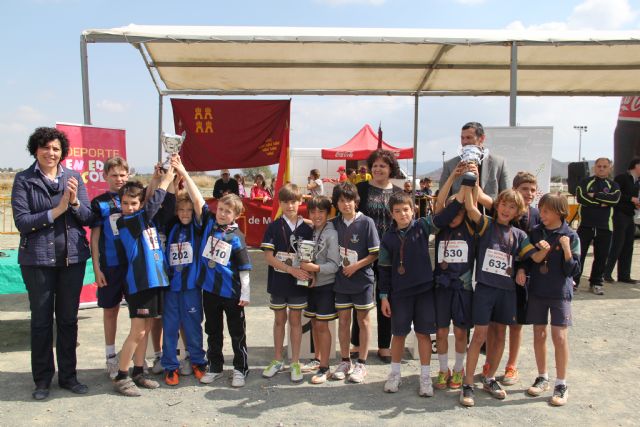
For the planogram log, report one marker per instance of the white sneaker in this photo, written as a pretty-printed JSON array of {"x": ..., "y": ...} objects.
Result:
[
  {"x": 274, "y": 367},
  {"x": 185, "y": 366},
  {"x": 342, "y": 370},
  {"x": 210, "y": 377},
  {"x": 111, "y": 366},
  {"x": 598, "y": 290},
  {"x": 296, "y": 372},
  {"x": 359, "y": 373},
  {"x": 426, "y": 387},
  {"x": 392, "y": 383},
  {"x": 157, "y": 368},
  {"x": 311, "y": 366},
  {"x": 238, "y": 379}
]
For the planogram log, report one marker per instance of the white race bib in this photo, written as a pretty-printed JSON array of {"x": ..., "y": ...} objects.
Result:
[
  {"x": 113, "y": 218},
  {"x": 496, "y": 262},
  {"x": 456, "y": 251},
  {"x": 180, "y": 254},
  {"x": 151, "y": 236},
  {"x": 349, "y": 255},
  {"x": 217, "y": 251},
  {"x": 288, "y": 258}
]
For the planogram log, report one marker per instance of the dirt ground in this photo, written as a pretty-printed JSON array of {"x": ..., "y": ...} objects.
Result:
[{"x": 604, "y": 366}]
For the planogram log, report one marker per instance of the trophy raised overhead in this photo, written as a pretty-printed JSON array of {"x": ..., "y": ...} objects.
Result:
[
  {"x": 171, "y": 144},
  {"x": 471, "y": 154}
]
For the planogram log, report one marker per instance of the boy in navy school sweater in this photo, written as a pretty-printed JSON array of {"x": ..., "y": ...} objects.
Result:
[
  {"x": 406, "y": 284},
  {"x": 146, "y": 277},
  {"x": 551, "y": 291}
]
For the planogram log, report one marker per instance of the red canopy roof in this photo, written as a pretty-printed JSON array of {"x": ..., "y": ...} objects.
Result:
[{"x": 361, "y": 145}]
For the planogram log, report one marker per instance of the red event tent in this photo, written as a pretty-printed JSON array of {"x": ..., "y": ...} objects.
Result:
[{"x": 361, "y": 145}]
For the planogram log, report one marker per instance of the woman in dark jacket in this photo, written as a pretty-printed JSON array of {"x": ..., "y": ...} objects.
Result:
[
  {"x": 50, "y": 206},
  {"x": 374, "y": 203}
]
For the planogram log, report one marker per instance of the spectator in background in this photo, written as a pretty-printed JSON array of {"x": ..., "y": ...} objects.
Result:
[
  {"x": 342, "y": 175},
  {"x": 425, "y": 187},
  {"x": 314, "y": 183},
  {"x": 242, "y": 192},
  {"x": 352, "y": 176},
  {"x": 259, "y": 190},
  {"x": 363, "y": 175},
  {"x": 408, "y": 188},
  {"x": 225, "y": 185},
  {"x": 623, "y": 226},
  {"x": 597, "y": 195}
]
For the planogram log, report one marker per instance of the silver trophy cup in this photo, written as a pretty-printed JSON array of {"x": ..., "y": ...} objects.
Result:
[
  {"x": 471, "y": 154},
  {"x": 306, "y": 251},
  {"x": 171, "y": 145}
]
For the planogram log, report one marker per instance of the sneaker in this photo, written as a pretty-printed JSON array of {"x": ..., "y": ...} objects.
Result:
[
  {"x": 510, "y": 376},
  {"x": 426, "y": 387},
  {"x": 185, "y": 366},
  {"x": 467, "y": 397},
  {"x": 199, "y": 371},
  {"x": 493, "y": 388},
  {"x": 311, "y": 366},
  {"x": 156, "y": 368},
  {"x": 126, "y": 387},
  {"x": 392, "y": 383},
  {"x": 274, "y": 367},
  {"x": 342, "y": 370},
  {"x": 141, "y": 380},
  {"x": 485, "y": 371},
  {"x": 443, "y": 379},
  {"x": 210, "y": 377},
  {"x": 359, "y": 373},
  {"x": 296, "y": 372},
  {"x": 456, "y": 379},
  {"x": 560, "y": 395},
  {"x": 597, "y": 290},
  {"x": 171, "y": 377},
  {"x": 540, "y": 385},
  {"x": 111, "y": 366},
  {"x": 321, "y": 376},
  {"x": 238, "y": 379}
]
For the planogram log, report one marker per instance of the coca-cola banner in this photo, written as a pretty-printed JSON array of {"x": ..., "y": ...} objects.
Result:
[{"x": 630, "y": 109}]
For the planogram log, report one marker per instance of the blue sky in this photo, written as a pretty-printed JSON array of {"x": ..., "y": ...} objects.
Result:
[{"x": 40, "y": 76}]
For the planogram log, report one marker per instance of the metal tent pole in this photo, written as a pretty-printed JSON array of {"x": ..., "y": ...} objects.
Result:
[
  {"x": 84, "y": 71},
  {"x": 415, "y": 142},
  {"x": 513, "y": 91},
  {"x": 160, "y": 100}
]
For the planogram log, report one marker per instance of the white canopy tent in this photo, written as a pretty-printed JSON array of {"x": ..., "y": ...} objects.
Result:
[{"x": 370, "y": 61}]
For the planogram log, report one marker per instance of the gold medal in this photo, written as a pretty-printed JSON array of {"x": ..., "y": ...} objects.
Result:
[
  {"x": 401, "y": 269},
  {"x": 288, "y": 261},
  {"x": 211, "y": 263},
  {"x": 509, "y": 270},
  {"x": 345, "y": 262},
  {"x": 544, "y": 269},
  {"x": 444, "y": 265}
]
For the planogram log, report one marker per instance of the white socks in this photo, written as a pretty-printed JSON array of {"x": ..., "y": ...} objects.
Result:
[
  {"x": 444, "y": 362},
  {"x": 425, "y": 371},
  {"x": 459, "y": 362},
  {"x": 110, "y": 351},
  {"x": 544, "y": 375},
  {"x": 395, "y": 368},
  {"x": 560, "y": 382}
]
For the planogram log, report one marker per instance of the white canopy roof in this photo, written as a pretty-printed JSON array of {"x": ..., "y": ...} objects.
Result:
[{"x": 382, "y": 61}]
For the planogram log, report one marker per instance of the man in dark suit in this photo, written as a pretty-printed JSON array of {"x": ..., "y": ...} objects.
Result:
[
  {"x": 225, "y": 185},
  {"x": 493, "y": 172},
  {"x": 623, "y": 226}
]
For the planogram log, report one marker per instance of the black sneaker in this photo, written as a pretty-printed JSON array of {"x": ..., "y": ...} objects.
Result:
[
  {"x": 493, "y": 388},
  {"x": 560, "y": 395},
  {"x": 540, "y": 385},
  {"x": 467, "y": 396}
]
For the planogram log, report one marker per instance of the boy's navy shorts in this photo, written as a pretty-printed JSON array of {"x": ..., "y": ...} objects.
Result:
[
  {"x": 363, "y": 301},
  {"x": 111, "y": 295},
  {"x": 454, "y": 305},
  {"x": 322, "y": 303},
  {"x": 539, "y": 309},
  {"x": 493, "y": 305},
  {"x": 278, "y": 302},
  {"x": 147, "y": 304},
  {"x": 418, "y": 309}
]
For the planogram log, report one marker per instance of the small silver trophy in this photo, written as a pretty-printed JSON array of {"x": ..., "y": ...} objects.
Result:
[
  {"x": 306, "y": 251},
  {"x": 471, "y": 154},
  {"x": 171, "y": 144}
]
